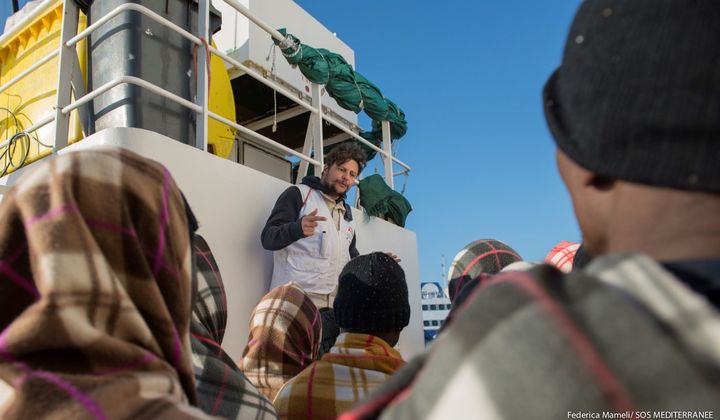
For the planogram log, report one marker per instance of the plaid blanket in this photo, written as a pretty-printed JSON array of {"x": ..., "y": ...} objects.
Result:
[
  {"x": 356, "y": 365},
  {"x": 623, "y": 337},
  {"x": 95, "y": 291},
  {"x": 285, "y": 334},
  {"x": 221, "y": 386}
]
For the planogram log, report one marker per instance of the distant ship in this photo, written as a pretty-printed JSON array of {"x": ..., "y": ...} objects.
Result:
[{"x": 436, "y": 306}]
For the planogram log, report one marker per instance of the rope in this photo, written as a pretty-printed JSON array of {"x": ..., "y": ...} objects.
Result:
[
  {"x": 295, "y": 45},
  {"x": 328, "y": 64},
  {"x": 361, "y": 105},
  {"x": 9, "y": 152},
  {"x": 207, "y": 61}
]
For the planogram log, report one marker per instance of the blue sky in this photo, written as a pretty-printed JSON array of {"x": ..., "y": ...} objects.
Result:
[{"x": 468, "y": 75}]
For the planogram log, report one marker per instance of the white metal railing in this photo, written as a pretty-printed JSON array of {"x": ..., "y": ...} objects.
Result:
[
  {"x": 29, "y": 70},
  {"x": 68, "y": 63},
  {"x": 385, "y": 152},
  {"x": 19, "y": 26}
]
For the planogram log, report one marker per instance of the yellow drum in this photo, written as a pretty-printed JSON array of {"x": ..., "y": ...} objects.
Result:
[
  {"x": 33, "y": 97},
  {"x": 222, "y": 102}
]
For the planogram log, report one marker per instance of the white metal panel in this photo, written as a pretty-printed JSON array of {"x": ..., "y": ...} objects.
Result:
[
  {"x": 249, "y": 42},
  {"x": 266, "y": 162},
  {"x": 375, "y": 234},
  {"x": 234, "y": 31},
  {"x": 232, "y": 203}
]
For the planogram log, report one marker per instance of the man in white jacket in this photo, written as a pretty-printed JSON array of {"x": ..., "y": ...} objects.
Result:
[{"x": 311, "y": 230}]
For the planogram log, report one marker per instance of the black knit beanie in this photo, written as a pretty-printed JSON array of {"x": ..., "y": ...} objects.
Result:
[
  {"x": 637, "y": 96},
  {"x": 372, "y": 295}
]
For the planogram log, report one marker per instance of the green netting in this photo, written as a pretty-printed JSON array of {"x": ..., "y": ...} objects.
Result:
[
  {"x": 349, "y": 88},
  {"x": 398, "y": 125},
  {"x": 380, "y": 200},
  {"x": 342, "y": 84}
]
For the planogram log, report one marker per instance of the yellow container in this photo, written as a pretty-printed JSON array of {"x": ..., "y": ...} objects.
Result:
[
  {"x": 222, "y": 102},
  {"x": 34, "y": 96}
]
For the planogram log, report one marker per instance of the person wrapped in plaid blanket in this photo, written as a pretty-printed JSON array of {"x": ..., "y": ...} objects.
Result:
[
  {"x": 633, "y": 111},
  {"x": 221, "y": 386},
  {"x": 371, "y": 309},
  {"x": 285, "y": 335},
  {"x": 96, "y": 291}
]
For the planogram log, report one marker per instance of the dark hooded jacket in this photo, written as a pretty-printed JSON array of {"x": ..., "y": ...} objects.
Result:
[{"x": 283, "y": 226}]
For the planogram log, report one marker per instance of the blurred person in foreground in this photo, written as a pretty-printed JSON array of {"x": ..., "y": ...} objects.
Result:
[
  {"x": 634, "y": 112},
  {"x": 96, "y": 290},
  {"x": 371, "y": 309},
  {"x": 222, "y": 388},
  {"x": 285, "y": 337},
  {"x": 311, "y": 229}
]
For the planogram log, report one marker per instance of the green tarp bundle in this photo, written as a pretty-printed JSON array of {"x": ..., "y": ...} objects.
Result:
[
  {"x": 380, "y": 200},
  {"x": 349, "y": 88}
]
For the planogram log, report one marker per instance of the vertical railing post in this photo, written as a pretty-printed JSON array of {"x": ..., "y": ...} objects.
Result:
[
  {"x": 67, "y": 64},
  {"x": 316, "y": 121},
  {"x": 201, "y": 128},
  {"x": 387, "y": 160},
  {"x": 307, "y": 147}
]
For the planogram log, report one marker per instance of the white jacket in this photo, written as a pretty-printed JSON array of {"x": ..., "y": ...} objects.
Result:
[{"x": 315, "y": 262}]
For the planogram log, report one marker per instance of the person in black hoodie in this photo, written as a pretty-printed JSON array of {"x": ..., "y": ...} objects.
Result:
[{"x": 311, "y": 230}]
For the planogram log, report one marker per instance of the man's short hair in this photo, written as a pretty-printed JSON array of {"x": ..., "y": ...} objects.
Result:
[{"x": 345, "y": 152}]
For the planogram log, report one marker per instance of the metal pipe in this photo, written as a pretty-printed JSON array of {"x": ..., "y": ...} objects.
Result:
[
  {"x": 280, "y": 117},
  {"x": 29, "y": 70},
  {"x": 316, "y": 122},
  {"x": 362, "y": 140},
  {"x": 300, "y": 102},
  {"x": 202, "y": 90},
  {"x": 261, "y": 138},
  {"x": 358, "y": 137},
  {"x": 133, "y": 81},
  {"x": 137, "y": 8},
  {"x": 142, "y": 83},
  {"x": 32, "y": 128},
  {"x": 399, "y": 162},
  {"x": 23, "y": 24},
  {"x": 198, "y": 109},
  {"x": 387, "y": 159},
  {"x": 279, "y": 37},
  {"x": 67, "y": 61},
  {"x": 261, "y": 79},
  {"x": 256, "y": 20},
  {"x": 43, "y": 122}
]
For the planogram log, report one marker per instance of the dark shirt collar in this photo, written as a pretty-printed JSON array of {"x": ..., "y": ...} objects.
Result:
[{"x": 315, "y": 183}]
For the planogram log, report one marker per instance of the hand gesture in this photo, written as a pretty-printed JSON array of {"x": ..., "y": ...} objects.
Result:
[
  {"x": 309, "y": 222},
  {"x": 393, "y": 256}
]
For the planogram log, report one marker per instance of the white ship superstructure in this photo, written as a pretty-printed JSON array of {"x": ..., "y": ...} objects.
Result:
[
  {"x": 231, "y": 195},
  {"x": 436, "y": 306}
]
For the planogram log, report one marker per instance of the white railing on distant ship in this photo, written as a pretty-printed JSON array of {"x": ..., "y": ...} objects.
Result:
[{"x": 67, "y": 65}]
